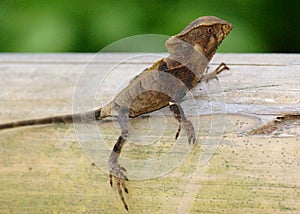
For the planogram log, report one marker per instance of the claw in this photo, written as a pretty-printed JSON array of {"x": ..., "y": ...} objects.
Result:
[
  {"x": 124, "y": 186},
  {"x": 110, "y": 180},
  {"x": 220, "y": 68},
  {"x": 122, "y": 168},
  {"x": 119, "y": 184},
  {"x": 125, "y": 178},
  {"x": 206, "y": 70},
  {"x": 178, "y": 131},
  {"x": 117, "y": 174}
]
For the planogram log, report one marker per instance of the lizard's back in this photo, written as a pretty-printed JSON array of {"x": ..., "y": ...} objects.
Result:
[{"x": 154, "y": 88}]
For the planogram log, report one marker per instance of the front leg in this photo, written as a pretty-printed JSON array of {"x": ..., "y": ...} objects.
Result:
[
  {"x": 183, "y": 122},
  {"x": 116, "y": 171},
  {"x": 213, "y": 75}
]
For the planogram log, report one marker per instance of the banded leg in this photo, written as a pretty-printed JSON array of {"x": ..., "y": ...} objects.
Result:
[
  {"x": 183, "y": 122},
  {"x": 116, "y": 171}
]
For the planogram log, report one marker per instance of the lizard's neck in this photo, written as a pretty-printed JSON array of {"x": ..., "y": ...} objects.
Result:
[{"x": 192, "y": 59}]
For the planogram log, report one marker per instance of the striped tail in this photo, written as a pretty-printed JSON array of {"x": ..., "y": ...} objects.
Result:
[{"x": 69, "y": 118}]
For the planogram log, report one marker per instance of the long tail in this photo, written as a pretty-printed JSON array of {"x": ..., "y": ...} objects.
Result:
[{"x": 69, "y": 118}]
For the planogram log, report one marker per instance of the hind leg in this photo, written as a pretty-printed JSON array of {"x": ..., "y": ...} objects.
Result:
[
  {"x": 180, "y": 116},
  {"x": 183, "y": 122},
  {"x": 117, "y": 172}
]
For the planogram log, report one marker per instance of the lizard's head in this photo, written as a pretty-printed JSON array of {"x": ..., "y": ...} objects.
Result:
[{"x": 204, "y": 34}]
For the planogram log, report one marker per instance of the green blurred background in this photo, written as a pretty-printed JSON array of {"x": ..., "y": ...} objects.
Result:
[{"x": 88, "y": 26}]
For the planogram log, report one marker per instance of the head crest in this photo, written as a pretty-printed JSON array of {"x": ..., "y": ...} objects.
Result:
[{"x": 202, "y": 21}]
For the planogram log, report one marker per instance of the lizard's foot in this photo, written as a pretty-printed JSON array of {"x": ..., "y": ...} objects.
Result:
[
  {"x": 189, "y": 130},
  {"x": 213, "y": 75},
  {"x": 117, "y": 173},
  {"x": 183, "y": 122}
]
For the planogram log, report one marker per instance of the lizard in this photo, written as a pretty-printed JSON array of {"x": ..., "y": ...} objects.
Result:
[{"x": 163, "y": 84}]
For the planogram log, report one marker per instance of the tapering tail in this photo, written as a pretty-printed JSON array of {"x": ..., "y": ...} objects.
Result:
[{"x": 69, "y": 118}]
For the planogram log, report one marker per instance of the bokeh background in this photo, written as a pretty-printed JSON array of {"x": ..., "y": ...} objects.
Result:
[{"x": 90, "y": 25}]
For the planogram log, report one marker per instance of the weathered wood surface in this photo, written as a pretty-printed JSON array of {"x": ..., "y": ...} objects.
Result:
[{"x": 43, "y": 169}]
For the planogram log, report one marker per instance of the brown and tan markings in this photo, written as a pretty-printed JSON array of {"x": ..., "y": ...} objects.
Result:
[{"x": 165, "y": 83}]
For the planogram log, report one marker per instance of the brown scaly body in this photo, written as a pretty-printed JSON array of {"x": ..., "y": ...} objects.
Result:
[{"x": 164, "y": 83}]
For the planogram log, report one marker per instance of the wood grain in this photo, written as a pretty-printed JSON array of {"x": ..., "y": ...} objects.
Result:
[{"x": 44, "y": 169}]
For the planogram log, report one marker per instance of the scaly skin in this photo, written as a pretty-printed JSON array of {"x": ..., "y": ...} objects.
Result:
[{"x": 164, "y": 83}]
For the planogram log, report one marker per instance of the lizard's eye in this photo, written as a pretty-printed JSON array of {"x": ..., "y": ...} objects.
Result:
[{"x": 209, "y": 30}]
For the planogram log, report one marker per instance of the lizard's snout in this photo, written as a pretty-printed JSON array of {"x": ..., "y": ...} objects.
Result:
[{"x": 226, "y": 29}]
